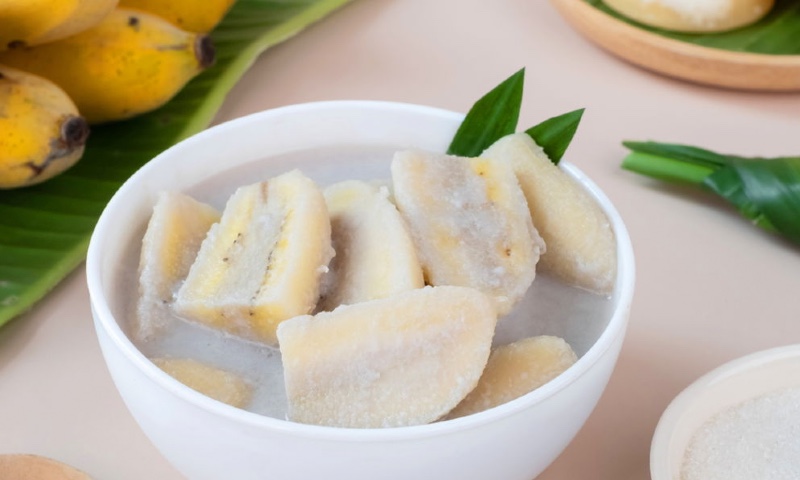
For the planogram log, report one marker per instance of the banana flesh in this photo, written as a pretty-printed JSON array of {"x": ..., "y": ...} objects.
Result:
[
  {"x": 581, "y": 249},
  {"x": 174, "y": 233},
  {"x": 213, "y": 382},
  {"x": 41, "y": 132},
  {"x": 130, "y": 63},
  {"x": 403, "y": 360},
  {"x": 516, "y": 369},
  {"x": 33, "y": 22},
  {"x": 185, "y": 13},
  {"x": 261, "y": 264},
  {"x": 469, "y": 222},
  {"x": 375, "y": 255}
]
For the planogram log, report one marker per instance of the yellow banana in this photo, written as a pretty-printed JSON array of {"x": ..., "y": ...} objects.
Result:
[
  {"x": 581, "y": 248},
  {"x": 403, "y": 360},
  {"x": 262, "y": 262},
  {"x": 33, "y": 22},
  {"x": 469, "y": 222},
  {"x": 375, "y": 256},
  {"x": 130, "y": 63},
  {"x": 186, "y": 14},
  {"x": 174, "y": 233},
  {"x": 516, "y": 369},
  {"x": 41, "y": 132},
  {"x": 221, "y": 385}
]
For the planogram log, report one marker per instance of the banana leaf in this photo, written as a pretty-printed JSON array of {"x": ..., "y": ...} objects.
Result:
[
  {"x": 775, "y": 34},
  {"x": 764, "y": 190},
  {"x": 45, "y": 229},
  {"x": 496, "y": 114}
]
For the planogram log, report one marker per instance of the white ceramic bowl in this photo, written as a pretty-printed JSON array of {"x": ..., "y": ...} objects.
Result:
[
  {"x": 728, "y": 385},
  {"x": 205, "y": 439}
]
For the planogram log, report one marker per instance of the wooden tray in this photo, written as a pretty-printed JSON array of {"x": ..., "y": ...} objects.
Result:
[{"x": 710, "y": 66}]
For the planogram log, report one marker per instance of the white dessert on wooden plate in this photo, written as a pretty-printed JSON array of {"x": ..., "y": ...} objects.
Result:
[{"x": 699, "y": 16}]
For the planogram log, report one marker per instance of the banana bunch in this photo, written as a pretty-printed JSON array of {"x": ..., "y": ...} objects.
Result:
[{"x": 113, "y": 60}]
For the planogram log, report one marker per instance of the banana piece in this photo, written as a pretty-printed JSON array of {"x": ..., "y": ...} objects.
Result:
[
  {"x": 516, "y": 369},
  {"x": 375, "y": 256},
  {"x": 41, "y": 131},
  {"x": 403, "y": 360},
  {"x": 130, "y": 63},
  {"x": 698, "y": 16},
  {"x": 581, "y": 249},
  {"x": 213, "y": 382},
  {"x": 174, "y": 233},
  {"x": 33, "y": 22},
  {"x": 261, "y": 264},
  {"x": 469, "y": 222},
  {"x": 185, "y": 14}
]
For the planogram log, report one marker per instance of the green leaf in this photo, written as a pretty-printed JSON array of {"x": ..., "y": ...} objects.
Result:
[
  {"x": 492, "y": 117},
  {"x": 555, "y": 134},
  {"x": 45, "y": 229},
  {"x": 777, "y": 33},
  {"x": 764, "y": 190}
]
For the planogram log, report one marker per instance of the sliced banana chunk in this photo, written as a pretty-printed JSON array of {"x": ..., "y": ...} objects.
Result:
[
  {"x": 375, "y": 256},
  {"x": 174, "y": 233},
  {"x": 469, "y": 222},
  {"x": 581, "y": 248},
  {"x": 699, "y": 16},
  {"x": 516, "y": 369},
  {"x": 403, "y": 360},
  {"x": 261, "y": 264},
  {"x": 212, "y": 382}
]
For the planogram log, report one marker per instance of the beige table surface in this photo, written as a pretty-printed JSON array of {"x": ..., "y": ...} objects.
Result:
[{"x": 710, "y": 287}]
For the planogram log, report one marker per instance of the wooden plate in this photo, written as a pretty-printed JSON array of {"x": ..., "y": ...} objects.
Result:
[
  {"x": 710, "y": 66},
  {"x": 34, "y": 467}
]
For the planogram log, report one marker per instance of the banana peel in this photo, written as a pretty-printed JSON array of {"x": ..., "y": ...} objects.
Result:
[
  {"x": 128, "y": 64},
  {"x": 41, "y": 132}
]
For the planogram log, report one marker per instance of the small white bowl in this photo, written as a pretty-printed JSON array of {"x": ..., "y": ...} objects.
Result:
[
  {"x": 728, "y": 385},
  {"x": 205, "y": 439}
]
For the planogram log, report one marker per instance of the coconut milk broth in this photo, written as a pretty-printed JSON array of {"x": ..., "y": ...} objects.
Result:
[{"x": 548, "y": 308}]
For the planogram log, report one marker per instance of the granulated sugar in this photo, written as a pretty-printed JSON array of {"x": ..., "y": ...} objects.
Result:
[{"x": 755, "y": 440}]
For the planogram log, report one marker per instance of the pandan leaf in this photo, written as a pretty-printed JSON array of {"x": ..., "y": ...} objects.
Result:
[
  {"x": 45, "y": 229},
  {"x": 775, "y": 34},
  {"x": 555, "y": 134},
  {"x": 492, "y": 117},
  {"x": 764, "y": 190}
]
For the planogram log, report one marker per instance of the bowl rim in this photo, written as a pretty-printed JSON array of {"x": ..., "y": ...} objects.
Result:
[
  {"x": 662, "y": 442},
  {"x": 105, "y": 320}
]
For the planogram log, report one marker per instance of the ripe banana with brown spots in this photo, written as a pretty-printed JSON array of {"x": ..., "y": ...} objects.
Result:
[
  {"x": 130, "y": 63},
  {"x": 185, "y": 14},
  {"x": 41, "y": 131},
  {"x": 33, "y": 22}
]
